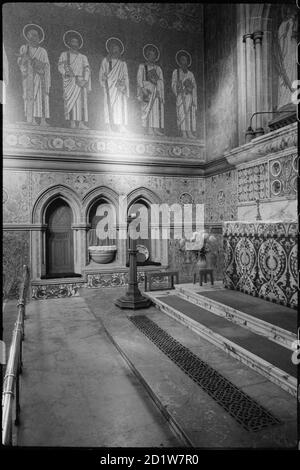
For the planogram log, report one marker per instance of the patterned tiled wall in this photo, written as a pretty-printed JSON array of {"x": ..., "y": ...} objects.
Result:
[
  {"x": 221, "y": 197},
  {"x": 169, "y": 189},
  {"x": 15, "y": 255},
  {"x": 261, "y": 260},
  {"x": 274, "y": 178},
  {"x": 16, "y": 197}
]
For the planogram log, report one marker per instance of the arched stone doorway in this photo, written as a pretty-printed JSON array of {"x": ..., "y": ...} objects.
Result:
[{"x": 59, "y": 239}]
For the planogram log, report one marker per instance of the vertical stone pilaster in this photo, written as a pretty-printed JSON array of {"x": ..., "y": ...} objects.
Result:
[{"x": 257, "y": 40}]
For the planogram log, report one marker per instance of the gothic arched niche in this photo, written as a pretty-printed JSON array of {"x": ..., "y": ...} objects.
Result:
[
  {"x": 102, "y": 220},
  {"x": 149, "y": 249},
  {"x": 59, "y": 239}
]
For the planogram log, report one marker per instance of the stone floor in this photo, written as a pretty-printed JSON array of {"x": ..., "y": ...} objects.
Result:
[{"x": 91, "y": 379}]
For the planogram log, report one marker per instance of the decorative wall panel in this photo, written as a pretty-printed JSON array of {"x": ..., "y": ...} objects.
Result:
[
  {"x": 16, "y": 197},
  {"x": 261, "y": 260},
  {"x": 253, "y": 183},
  {"x": 276, "y": 177},
  {"x": 115, "y": 279},
  {"x": 55, "y": 291},
  {"x": 283, "y": 176},
  {"x": 168, "y": 189},
  {"x": 15, "y": 255},
  {"x": 221, "y": 197}
]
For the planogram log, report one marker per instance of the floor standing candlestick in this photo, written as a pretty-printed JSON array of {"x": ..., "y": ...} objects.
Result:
[{"x": 133, "y": 299}]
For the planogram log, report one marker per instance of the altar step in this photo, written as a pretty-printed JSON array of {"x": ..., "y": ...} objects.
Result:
[
  {"x": 276, "y": 322},
  {"x": 242, "y": 335}
]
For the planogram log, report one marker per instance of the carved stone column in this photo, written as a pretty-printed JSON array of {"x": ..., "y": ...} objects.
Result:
[
  {"x": 121, "y": 243},
  {"x": 80, "y": 246},
  {"x": 241, "y": 72},
  {"x": 250, "y": 82},
  {"x": 257, "y": 40},
  {"x": 38, "y": 251}
]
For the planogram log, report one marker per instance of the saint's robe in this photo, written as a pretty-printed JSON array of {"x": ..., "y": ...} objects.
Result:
[
  {"x": 186, "y": 99},
  {"x": 116, "y": 90},
  {"x": 35, "y": 68},
  {"x": 151, "y": 95},
  {"x": 75, "y": 71}
]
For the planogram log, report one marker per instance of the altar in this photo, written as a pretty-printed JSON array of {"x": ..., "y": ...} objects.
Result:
[{"x": 260, "y": 259}]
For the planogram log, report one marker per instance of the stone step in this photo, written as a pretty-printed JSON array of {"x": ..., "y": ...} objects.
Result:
[
  {"x": 271, "y": 360},
  {"x": 253, "y": 321}
]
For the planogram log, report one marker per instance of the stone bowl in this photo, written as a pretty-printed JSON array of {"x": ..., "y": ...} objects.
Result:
[{"x": 103, "y": 254}]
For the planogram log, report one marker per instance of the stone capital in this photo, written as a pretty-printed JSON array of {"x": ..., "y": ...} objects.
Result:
[
  {"x": 257, "y": 37},
  {"x": 247, "y": 36}
]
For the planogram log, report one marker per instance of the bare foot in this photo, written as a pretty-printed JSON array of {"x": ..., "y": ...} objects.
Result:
[
  {"x": 81, "y": 125},
  {"x": 184, "y": 134},
  {"x": 151, "y": 131},
  {"x": 44, "y": 123},
  {"x": 73, "y": 125},
  {"x": 157, "y": 132},
  {"x": 33, "y": 122},
  {"x": 191, "y": 135}
]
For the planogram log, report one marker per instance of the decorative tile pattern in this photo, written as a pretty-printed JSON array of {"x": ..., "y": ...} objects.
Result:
[
  {"x": 261, "y": 260},
  {"x": 283, "y": 176},
  {"x": 19, "y": 139},
  {"x": 253, "y": 183},
  {"x": 16, "y": 199},
  {"x": 15, "y": 255},
  {"x": 55, "y": 291},
  {"x": 274, "y": 178},
  {"x": 177, "y": 16},
  {"x": 167, "y": 188},
  {"x": 221, "y": 197},
  {"x": 111, "y": 279}
]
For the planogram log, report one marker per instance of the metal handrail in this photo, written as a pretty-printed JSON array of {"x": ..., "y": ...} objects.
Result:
[{"x": 11, "y": 383}]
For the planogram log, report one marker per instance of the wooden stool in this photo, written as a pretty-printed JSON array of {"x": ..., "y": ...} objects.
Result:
[{"x": 203, "y": 275}]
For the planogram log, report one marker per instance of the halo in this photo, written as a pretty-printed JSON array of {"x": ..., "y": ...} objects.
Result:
[
  {"x": 153, "y": 47},
  {"x": 114, "y": 39},
  {"x": 182, "y": 51},
  {"x": 74, "y": 33},
  {"x": 36, "y": 26}
]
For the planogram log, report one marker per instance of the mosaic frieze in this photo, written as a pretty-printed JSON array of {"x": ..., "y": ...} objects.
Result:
[
  {"x": 18, "y": 140},
  {"x": 261, "y": 260}
]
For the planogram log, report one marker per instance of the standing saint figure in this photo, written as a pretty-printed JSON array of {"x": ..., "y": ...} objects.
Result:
[
  {"x": 150, "y": 91},
  {"x": 285, "y": 52},
  {"x": 113, "y": 77},
  {"x": 35, "y": 68},
  {"x": 76, "y": 75},
  {"x": 185, "y": 89}
]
